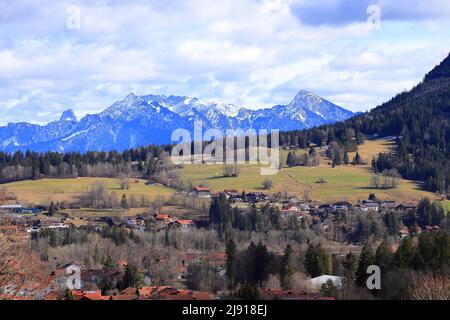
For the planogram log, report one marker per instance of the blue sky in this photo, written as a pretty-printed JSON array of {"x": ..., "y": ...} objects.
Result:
[{"x": 251, "y": 53}]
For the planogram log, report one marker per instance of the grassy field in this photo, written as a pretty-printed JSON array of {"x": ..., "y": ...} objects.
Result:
[
  {"x": 46, "y": 190},
  {"x": 447, "y": 205},
  {"x": 93, "y": 213},
  {"x": 343, "y": 182},
  {"x": 346, "y": 182},
  {"x": 372, "y": 147}
]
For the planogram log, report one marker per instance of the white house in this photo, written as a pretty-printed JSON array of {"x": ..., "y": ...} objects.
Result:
[
  {"x": 201, "y": 192},
  {"x": 370, "y": 205},
  {"x": 317, "y": 282},
  {"x": 15, "y": 208},
  {"x": 342, "y": 206},
  {"x": 185, "y": 224}
]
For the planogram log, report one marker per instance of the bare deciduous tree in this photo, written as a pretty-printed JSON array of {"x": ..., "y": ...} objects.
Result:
[
  {"x": 231, "y": 171},
  {"x": 429, "y": 287},
  {"x": 97, "y": 196},
  {"x": 124, "y": 181},
  {"x": 267, "y": 184},
  {"x": 21, "y": 272},
  {"x": 299, "y": 281}
]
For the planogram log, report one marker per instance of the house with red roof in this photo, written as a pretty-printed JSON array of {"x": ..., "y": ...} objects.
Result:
[
  {"x": 403, "y": 232},
  {"x": 88, "y": 295},
  {"x": 12, "y": 229},
  {"x": 290, "y": 208},
  {"x": 201, "y": 192},
  {"x": 164, "y": 218},
  {"x": 184, "y": 224}
]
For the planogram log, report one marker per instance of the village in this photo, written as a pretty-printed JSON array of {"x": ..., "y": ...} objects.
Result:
[
  {"x": 26, "y": 223},
  {"x": 25, "y": 218}
]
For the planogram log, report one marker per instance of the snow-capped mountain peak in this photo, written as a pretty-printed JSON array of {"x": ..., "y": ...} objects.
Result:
[
  {"x": 306, "y": 101},
  {"x": 142, "y": 120},
  {"x": 68, "y": 115}
]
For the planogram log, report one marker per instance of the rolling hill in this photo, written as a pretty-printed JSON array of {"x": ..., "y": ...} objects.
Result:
[{"x": 419, "y": 120}]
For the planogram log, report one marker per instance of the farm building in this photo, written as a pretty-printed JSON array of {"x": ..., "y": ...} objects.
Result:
[{"x": 201, "y": 192}]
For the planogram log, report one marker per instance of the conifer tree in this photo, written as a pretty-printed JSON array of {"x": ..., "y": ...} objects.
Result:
[
  {"x": 287, "y": 266},
  {"x": 231, "y": 260},
  {"x": 383, "y": 257},
  {"x": 124, "y": 202},
  {"x": 357, "y": 160},
  {"x": 350, "y": 264},
  {"x": 405, "y": 255},
  {"x": 366, "y": 259},
  {"x": 346, "y": 161},
  {"x": 132, "y": 277},
  {"x": 51, "y": 209},
  {"x": 317, "y": 262}
]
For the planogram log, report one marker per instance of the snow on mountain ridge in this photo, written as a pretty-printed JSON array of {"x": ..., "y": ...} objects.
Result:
[
  {"x": 68, "y": 115},
  {"x": 142, "y": 120}
]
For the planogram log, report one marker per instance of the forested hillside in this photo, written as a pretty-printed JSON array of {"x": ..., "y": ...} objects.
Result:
[{"x": 420, "y": 119}]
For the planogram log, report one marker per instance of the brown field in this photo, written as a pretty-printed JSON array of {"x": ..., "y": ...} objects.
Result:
[
  {"x": 346, "y": 182},
  {"x": 46, "y": 190}
]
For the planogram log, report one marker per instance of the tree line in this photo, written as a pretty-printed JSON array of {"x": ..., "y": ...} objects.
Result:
[{"x": 34, "y": 165}]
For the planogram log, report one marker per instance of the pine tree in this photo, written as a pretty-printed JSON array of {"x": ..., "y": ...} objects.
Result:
[
  {"x": 366, "y": 259},
  {"x": 221, "y": 214},
  {"x": 350, "y": 264},
  {"x": 124, "y": 202},
  {"x": 35, "y": 173},
  {"x": 317, "y": 262},
  {"x": 287, "y": 266},
  {"x": 437, "y": 213},
  {"x": 105, "y": 284},
  {"x": 405, "y": 255},
  {"x": 329, "y": 289},
  {"x": 53, "y": 239},
  {"x": 68, "y": 294},
  {"x": 248, "y": 292},
  {"x": 231, "y": 257},
  {"x": 383, "y": 257},
  {"x": 357, "y": 159},
  {"x": 261, "y": 263},
  {"x": 333, "y": 164},
  {"x": 346, "y": 161},
  {"x": 132, "y": 277},
  {"x": 51, "y": 209},
  {"x": 290, "y": 159},
  {"x": 374, "y": 165},
  {"x": 108, "y": 263},
  {"x": 140, "y": 166}
]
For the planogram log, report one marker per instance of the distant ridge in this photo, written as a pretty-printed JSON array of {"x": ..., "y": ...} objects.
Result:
[{"x": 142, "y": 120}]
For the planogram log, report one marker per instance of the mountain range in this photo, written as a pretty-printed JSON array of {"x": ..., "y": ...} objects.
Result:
[{"x": 147, "y": 119}]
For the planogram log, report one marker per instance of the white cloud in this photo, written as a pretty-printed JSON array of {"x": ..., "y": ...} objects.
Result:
[{"x": 250, "y": 53}]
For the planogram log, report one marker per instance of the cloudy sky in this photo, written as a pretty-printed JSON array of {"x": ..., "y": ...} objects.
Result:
[{"x": 85, "y": 55}]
